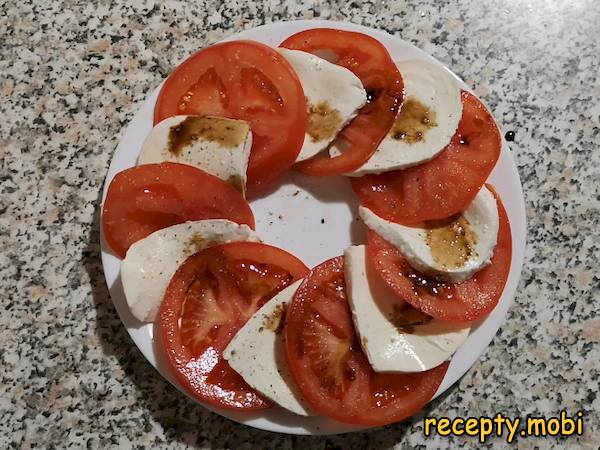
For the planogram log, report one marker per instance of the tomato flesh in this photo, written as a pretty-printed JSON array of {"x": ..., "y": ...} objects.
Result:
[
  {"x": 210, "y": 297},
  {"x": 443, "y": 186},
  {"x": 329, "y": 367},
  {"x": 147, "y": 198},
  {"x": 243, "y": 80},
  {"x": 369, "y": 60},
  {"x": 456, "y": 302}
]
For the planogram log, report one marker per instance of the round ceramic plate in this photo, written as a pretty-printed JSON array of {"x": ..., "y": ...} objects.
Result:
[{"x": 315, "y": 219}]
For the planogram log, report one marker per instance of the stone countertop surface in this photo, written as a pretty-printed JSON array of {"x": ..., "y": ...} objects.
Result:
[{"x": 72, "y": 76}]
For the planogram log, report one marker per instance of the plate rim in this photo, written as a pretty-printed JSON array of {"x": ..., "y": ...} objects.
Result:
[{"x": 498, "y": 315}]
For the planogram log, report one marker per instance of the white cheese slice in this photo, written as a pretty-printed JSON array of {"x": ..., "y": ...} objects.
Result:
[
  {"x": 257, "y": 353},
  {"x": 425, "y": 124},
  {"x": 151, "y": 262},
  {"x": 375, "y": 310},
  {"x": 452, "y": 250},
  {"x": 333, "y": 96},
  {"x": 217, "y": 145}
]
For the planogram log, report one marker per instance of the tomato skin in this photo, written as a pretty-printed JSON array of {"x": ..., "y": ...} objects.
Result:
[
  {"x": 268, "y": 253},
  {"x": 143, "y": 199},
  {"x": 457, "y": 302},
  {"x": 243, "y": 80},
  {"x": 369, "y": 60},
  {"x": 443, "y": 186},
  {"x": 330, "y": 368},
  {"x": 196, "y": 361}
]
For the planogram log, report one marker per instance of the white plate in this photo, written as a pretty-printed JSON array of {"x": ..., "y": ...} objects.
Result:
[{"x": 293, "y": 222}]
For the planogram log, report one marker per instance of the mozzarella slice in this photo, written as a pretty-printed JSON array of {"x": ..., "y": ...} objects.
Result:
[
  {"x": 151, "y": 262},
  {"x": 333, "y": 97},
  {"x": 256, "y": 352},
  {"x": 217, "y": 145},
  {"x": 425, "y": 123},
  {"x": 394, "y": 336},
  {"x": 452, "y": 249}
]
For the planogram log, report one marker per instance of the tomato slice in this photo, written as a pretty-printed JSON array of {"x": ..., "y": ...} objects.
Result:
[
  {"x": 369, "y": 60},
  {"x": 327, "y": 363},
  {"x": 147, "y": 198},
  {"x": 210, "y": 297},
  {"x": 457, "y": 302},
  {"x": 243, "y": 80},
  {"x": 443, "y": 186}
]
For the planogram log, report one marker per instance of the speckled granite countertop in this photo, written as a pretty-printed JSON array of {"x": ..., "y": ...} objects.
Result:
[{"x": 73, "y": 75}]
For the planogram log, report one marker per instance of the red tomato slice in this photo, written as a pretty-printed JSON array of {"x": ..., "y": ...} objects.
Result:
[
  {"x": 243, "y": 80},
  {"x": 147, "y": 198},
  {"x": 455, "y": 302},
  {"x": 329, "y": 367},
  {"x": 369, "y": 60},
  {"x": 210, "y": 297},
  {"x": 443, "y": 186}
]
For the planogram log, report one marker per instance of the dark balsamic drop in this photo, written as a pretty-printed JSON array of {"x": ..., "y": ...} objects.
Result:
[{"x": 372, "y": 95}]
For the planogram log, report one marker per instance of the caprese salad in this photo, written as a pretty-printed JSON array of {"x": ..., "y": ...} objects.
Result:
[{"x": 363, "y": 338}]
